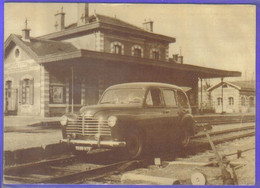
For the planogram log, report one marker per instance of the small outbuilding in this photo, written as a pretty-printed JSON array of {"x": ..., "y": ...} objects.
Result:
[{"x": 233, "y": 97}]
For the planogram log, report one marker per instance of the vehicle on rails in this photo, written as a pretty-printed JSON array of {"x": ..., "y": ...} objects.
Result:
[{"x": 131, "y": 116}]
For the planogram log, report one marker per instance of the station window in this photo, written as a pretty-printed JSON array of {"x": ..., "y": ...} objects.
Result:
[
  {"x": 251, "y": 101},
  {"x": 219, "y": 99},
  {"x": 243, "y": 101},
  {"x": 231, "y": 101},
  {"x": 57, "y": 95},
  {"x": 117, "y": 48},
  {"x": 137, "y": 51},
  {"x": 8, "y": 87},
  {"x": 26, "y": 91},
  {"x": 17, "y": 53},
  {"x": 154, "y": 54}
]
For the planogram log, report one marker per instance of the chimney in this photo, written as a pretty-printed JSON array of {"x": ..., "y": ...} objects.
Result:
[
  {"x": 60, "y": 20},
  {"x": 175, "y": 57},
  {"x": 180, "y": 59},
  {"x": 26, "y": 32},
  {"x": 83, "y": 13},
  {"x": 148, "y": 25}
]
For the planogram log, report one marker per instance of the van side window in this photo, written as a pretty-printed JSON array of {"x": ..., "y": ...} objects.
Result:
[
  {"x": 154, "y": 98},
  {"x": 169, "y": 98},
  {"x": 182, "y": 99}
]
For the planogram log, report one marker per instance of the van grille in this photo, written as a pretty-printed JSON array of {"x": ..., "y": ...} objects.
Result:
[{"x": 88, "y": 126}]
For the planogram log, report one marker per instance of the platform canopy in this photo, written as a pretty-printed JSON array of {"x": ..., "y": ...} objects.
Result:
[
  {"x": 85, "y": 56},
  {"x": 46, "y": 51}
]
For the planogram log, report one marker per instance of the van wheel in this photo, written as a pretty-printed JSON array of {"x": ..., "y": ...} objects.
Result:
[{"x": 134, "y": 144}]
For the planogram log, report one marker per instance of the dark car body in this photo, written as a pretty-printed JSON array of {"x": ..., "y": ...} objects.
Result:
[{"x": 157, "y": 113}]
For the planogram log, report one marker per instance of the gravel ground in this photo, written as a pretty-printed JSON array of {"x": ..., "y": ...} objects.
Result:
[
  {"x": 245, "y": 174},
  {"x": 40, "y": 136},
  {"x": 31, "y": 138}
]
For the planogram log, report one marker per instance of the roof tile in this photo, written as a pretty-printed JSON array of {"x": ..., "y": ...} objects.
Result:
[{"x": 46, "y": 47}]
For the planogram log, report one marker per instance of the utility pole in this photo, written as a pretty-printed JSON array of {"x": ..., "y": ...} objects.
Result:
[
  {"x": 72, "y": 89},
  {"x": 222, "y": 95},
  {"x": 201, "y": 95}
]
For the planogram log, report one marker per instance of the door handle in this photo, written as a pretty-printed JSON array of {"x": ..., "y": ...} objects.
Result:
[{"x": 166, "y": 111}]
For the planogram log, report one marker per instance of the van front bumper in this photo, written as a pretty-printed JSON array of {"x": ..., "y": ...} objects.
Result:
[{"x": 94, "y": 143}]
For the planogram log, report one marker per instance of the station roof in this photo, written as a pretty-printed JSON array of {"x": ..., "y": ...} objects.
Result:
[
  {"x": 239, "y": 85},
  {"x": 102, "y": 22},
  {"x": 48, "y": 52},
  {"x": 39, "y": 47}
]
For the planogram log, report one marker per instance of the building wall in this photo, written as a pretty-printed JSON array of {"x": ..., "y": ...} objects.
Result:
[
  {"x": 17, "y": 69},
  {"x": 227, "y": 93},
  {"x": 247, "y": 101},
  {"x": 103, "y": 42},
  {"x": 86, "y": 42},
  {"x": 238, "y": 106},
  {"x": 129, "y": 43}
]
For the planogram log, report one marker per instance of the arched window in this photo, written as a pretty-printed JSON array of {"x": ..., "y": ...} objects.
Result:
[
  {"x": 243, "y": 101},
  {"x": 17, "y": 54},
  {"x": 137, "y": 51},
  {"x": 117, "y": 48},
  {"x": 154, "y": 54},
  {"x": 26, "y": 91},
  {"x": 231, "y": 101},
  {"x": 8, "y": 87},
  {"x": 219, "y": 99},
  {"x": 251, "y": 101}
]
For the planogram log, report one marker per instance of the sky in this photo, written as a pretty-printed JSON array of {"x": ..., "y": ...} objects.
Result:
[{"x": 215, "y": 36}]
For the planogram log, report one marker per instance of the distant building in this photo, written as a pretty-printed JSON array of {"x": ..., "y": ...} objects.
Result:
[
  {"x": 236, "y": 96},
  {"x": 62, "y": 71}
]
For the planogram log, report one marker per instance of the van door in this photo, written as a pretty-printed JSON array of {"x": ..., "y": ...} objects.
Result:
[
  {"x": 155, "y": 120},
  {"x": 171, "y": 112}
]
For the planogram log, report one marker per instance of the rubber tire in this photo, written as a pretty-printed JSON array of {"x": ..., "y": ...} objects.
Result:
[{"x": 134, "y": 144}]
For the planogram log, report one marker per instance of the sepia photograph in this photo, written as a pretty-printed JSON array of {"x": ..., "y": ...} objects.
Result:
[{"x": 129, "y": 94}]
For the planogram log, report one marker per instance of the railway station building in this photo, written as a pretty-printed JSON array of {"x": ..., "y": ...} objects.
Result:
[
  {"x": 62, "y": 71},
  {"x": 236, "y": 97}
]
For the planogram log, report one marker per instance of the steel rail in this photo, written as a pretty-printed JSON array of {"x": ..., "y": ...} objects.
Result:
[
  {"x": 100, "y": 172},
  {"x": 88, "y": 174},
  {"x": 39, "y": 163},
  {"x": 106, "y": 170},
  {"x": 221, "y": 122},
  {"x": 224, "y": 131}
]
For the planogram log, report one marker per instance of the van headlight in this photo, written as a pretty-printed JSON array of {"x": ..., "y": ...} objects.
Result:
[
  {"x": 64, "y": 120},
  {"x": 111, "y": 121}
]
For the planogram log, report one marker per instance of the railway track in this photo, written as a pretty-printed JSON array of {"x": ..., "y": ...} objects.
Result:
[{"x": 97, "y": 166}]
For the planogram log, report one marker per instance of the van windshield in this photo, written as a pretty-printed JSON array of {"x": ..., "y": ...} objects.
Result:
[{"x": 123, "y": 96}]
